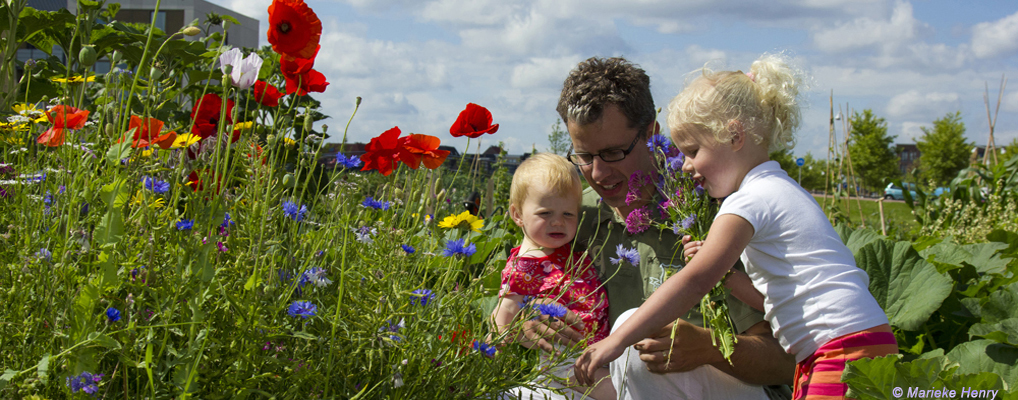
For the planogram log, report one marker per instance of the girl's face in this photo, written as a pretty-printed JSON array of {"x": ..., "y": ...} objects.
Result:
[
  {"x": 548, "y": 219},
  {"x": 713, "y": 164}
]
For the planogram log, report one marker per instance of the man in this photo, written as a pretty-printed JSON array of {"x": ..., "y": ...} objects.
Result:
[{"x": 609, "y": 113}]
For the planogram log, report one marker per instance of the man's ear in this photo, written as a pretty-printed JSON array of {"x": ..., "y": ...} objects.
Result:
[
  {"x": 738, "y": 133},
  {"x": 653, "y": 129},
  {"x": 515, "y": 215}
]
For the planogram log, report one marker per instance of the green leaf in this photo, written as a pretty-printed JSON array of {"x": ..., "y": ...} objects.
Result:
[
  {"x": 907, "y": 287},
  {"x": 986, "y": 259},
  {"x": 1005, "y": 331},
  {"x": 111, "y": 228},
  {"x": 120, "y": 151},
  {"x": 116, "y": 194},
  {"x": 876, "y": 378},
  {"x": 1008, "y": 238},
  {"x": 42, "y": 369},
  {"x": 946, "y": 256},
  {"x": 305, "y": 336},
  {"x": 1000, "y": 305},
  {"x": 962, "y": 384},
  {"x": 861, "y": 237},
  {"x": 104, "y": 341},
  {"x": 7, "y": 376},
  {"x": 987, "y": 356}
]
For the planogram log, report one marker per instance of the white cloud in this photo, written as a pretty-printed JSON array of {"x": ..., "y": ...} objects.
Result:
[
  {"x": 910, "y": 131},
  {"x": 867, "y": 32},
  {"x": 913, "y": 102},
  {"x": 1010, "y": 101},
  {"x": 990, "y": 39},
  {"x": 543, "y": 72}
]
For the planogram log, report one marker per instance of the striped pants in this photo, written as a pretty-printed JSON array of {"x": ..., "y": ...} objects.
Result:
[{"x": 819, "y": 376}]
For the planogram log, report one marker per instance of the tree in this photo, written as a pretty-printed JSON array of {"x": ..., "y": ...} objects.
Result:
[
  {"x": 811, "y": 173},
  {"x": 1010, "y": 150},
  {"x": 559, "y": 139},
  {"x": 943, "y": 149},
  {"x": 873, "y": 158}
]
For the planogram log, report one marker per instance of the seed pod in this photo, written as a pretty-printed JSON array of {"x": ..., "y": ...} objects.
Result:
[
  {"x": 110, "y": 129},
  {"x": 115, "y": 57},
  {"x": 192, "y": 31},
  {"x": 309, "y": 122},
  {"x": 86, "y": 57},
  {"x": 155, "y": 74},
  {"x": 288, "y": 180}
]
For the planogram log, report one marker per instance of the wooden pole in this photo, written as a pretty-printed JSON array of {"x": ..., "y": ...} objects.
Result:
[
  {"x": 830, "y": 149},
  {"x": 883, "y": 226},
  {"x": 990, "y": 146}
]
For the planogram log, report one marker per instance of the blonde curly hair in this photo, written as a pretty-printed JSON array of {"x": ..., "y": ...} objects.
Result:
[{"x": 765, "y": 101}]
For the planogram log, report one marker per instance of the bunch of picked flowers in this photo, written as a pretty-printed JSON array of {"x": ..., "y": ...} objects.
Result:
[{"x": 691, "y": 211}]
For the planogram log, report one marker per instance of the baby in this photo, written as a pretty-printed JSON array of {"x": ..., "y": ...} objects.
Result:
[{"x": 544, "y": 270}]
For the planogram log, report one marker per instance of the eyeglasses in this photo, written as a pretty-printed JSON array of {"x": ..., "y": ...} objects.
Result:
[{"x": 611, "y": 155}]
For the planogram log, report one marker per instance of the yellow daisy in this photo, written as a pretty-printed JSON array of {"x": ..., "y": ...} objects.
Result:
[
  {"x": 243, "y": 126},
  {"x": 139, "y": 199},
  {"x": 74, "y": 79},
  {"x": 185, "y": 140},
  {"x": 289, "y": 142},
  {"x": 464, "y": 221},
  {"x": 29, "y": 111}
]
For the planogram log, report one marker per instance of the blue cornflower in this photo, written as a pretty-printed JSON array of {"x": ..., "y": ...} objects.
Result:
[
  {"x": 392, "y": 328},
  {"x": 674, "y": 164},
  {"x": 303, "y": 309},
  {"x": 227, "y": 221},
  {"x": 408, "y": 249},
  {"x": 458, "y": 247},
  {"x": 44, "y": 254},
  {"x": 551, "y": 310},
  {"x": 290, "y": 209},
  {"x": 315, "y": 276},
  {"x": 156, "y": 185},
  {"x": 348, "y": 162},
  {"x": 630, "y": 255},
  {"x": 185, "y": 224},
  {"x": 688, "y": 222},
  {"x": 422, "y": 295},
  {"x": 485, "y": 348},
  {"x": 659, "y": 142},
  {"x": 364, "y": 234},
  {"x": 376, "y": 204},
  {"x": 48, "y": 199},
  {"x": 113, "y": 314},
  {"x": 86, "y": 382}
]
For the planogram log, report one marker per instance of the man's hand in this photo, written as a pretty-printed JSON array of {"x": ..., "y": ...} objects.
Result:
[
  {"x": 544, "y": 332},
  {"x": 688, "y": 349}
]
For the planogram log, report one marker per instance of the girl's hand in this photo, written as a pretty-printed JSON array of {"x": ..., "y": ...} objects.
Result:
[
  {"x": 594, "y": 357},
  {"x": 690, "y": 247}
]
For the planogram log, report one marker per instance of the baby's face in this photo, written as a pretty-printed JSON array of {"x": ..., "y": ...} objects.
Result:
[{"x": 549, "y": 219}]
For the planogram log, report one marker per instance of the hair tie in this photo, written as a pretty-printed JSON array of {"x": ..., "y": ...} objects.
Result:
[{"x": 751, "y": 76}]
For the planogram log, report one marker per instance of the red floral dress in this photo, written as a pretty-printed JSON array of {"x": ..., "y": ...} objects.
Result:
[{"x": 576, "y": 287}]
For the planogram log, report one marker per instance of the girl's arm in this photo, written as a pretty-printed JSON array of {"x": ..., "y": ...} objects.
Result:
[
  {"x": 505, "y": 312},
  {"x": 729, "y": 236},
  {"x": 738, "y": 282}
]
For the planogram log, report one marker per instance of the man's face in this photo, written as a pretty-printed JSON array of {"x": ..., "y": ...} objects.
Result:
[{"x": 611, "y": 179}]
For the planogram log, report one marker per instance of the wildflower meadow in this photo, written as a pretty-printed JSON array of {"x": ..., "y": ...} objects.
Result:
[{"x": 168, "y": 231}]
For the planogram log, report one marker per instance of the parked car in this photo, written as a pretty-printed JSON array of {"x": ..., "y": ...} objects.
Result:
[
  {"x": 941, "y": 191},
  {"x": 893, "y": 192}
]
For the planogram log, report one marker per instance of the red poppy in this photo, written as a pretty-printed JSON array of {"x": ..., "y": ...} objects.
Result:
[
  {"x": 297, "y": 66},
  {"x": 416, "y": 148},
  {"x": 311, "y": 81},
  {"x": 145, "y": 131},
  {"x": 382, "y": 153},
  {"x": 197, "y": 182},
  {"x": 62, "y": 117},
  {"x": 266, "y": 94},
  {"x": 473, "y": 121},
  {"x": 206, "y": 115},
  {"x": 166, "y": 141},
  {"x": 294, "y": 29}
]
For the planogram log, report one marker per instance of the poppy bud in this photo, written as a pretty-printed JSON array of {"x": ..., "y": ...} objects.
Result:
[
  {"x": 110, "y": 129},
  {"x": 270, "y": 139},
  {"x": 115, "y": 57},
  {"x": 155, "y": 74},
  {"x": 441, "y": 196},
  {"x": 309, "y": 122},
  {"x": 358, "y": 101},
  {"x": 288, "y": 180},
  {"x": 86, "y": 57},
  {"x": 192, "y": 31},
  {"x": 398, "y": 193}
]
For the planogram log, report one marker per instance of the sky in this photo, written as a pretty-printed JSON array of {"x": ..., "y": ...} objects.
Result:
[{"x": 417, "y": 63}]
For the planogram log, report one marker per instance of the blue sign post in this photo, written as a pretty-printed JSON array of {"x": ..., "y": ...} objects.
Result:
[{"x": 800, "y": 162}]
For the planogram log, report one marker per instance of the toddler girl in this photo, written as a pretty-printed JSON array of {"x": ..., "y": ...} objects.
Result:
[
  {"x": 544, "y": 271},
  {"x": 815, "y": 298}
]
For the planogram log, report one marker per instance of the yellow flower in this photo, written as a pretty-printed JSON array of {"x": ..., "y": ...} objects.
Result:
[
  {"x": 243, "y": 126},
  {"x": 185, "y": 140},
  {"x": 139, "y": 199},
  {"x": 74, "y": 79},
  {"x": 289, "y": 142},
  {"x": 29, "y": 111},
  {"x": 463, "y": 221}
]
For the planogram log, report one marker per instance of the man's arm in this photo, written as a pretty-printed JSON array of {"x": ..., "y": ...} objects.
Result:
[{"x": 758, "y": 358}]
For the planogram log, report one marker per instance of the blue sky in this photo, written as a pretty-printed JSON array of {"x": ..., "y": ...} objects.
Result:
[{"x": 417, "y": 63}]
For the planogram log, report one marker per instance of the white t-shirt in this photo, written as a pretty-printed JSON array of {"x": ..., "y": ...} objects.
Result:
[{"x": 813, "y": 290}]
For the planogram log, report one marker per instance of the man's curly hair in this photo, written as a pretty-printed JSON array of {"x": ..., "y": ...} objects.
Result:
[{"x": 597, "y": 82}]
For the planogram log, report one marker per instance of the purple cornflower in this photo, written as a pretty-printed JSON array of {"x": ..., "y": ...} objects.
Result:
[
  {"x": 551, "y": 310},
  {"x": 458, "y": 247},
  {"x": 222, "y": 247},
  {"x": 423, "y": 296},
  {"x": 629, "y": 255},
  {"x": 376, "y": 204},
  {"x": 688, "y": 222},
  {"x": 408, "y": 249},
  {"x": 227, "y": 221},
  {"x": 296, "y": 213},
  {"x": 44, "y": 254},
  {"x": 637, "y": 221},
  {"x": 364, "y": 234},
  {"x": 484, "y": 348},
  {"x": 155, "y": 185},
  {"x": 185, "y": 224},
  {"x": 86, "y": 382},
  {"x": 659, "y": 142},
  {"x": 348, "y": 162},
  {"x": 113, "y": 314},
  {"x": 674, "y": 164},
  {"x": 303, "y": 309},
  {"x": 392, "y": 328}
]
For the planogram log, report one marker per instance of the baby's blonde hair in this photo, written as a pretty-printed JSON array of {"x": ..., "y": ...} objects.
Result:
[
  {"x": 764, "y": 101},
  {"x": 550, "y": 169}
]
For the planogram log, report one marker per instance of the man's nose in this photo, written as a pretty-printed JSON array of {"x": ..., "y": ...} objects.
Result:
[{"x": 599, "y": 169}]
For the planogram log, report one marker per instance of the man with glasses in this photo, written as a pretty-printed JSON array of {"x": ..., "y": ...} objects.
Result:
[{"x": 610, "y": 115}]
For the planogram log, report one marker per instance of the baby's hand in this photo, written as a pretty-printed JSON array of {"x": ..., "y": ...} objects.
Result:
[
  {"x": 595, "y": 356},
  {"x": 690, "y": 247}
]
